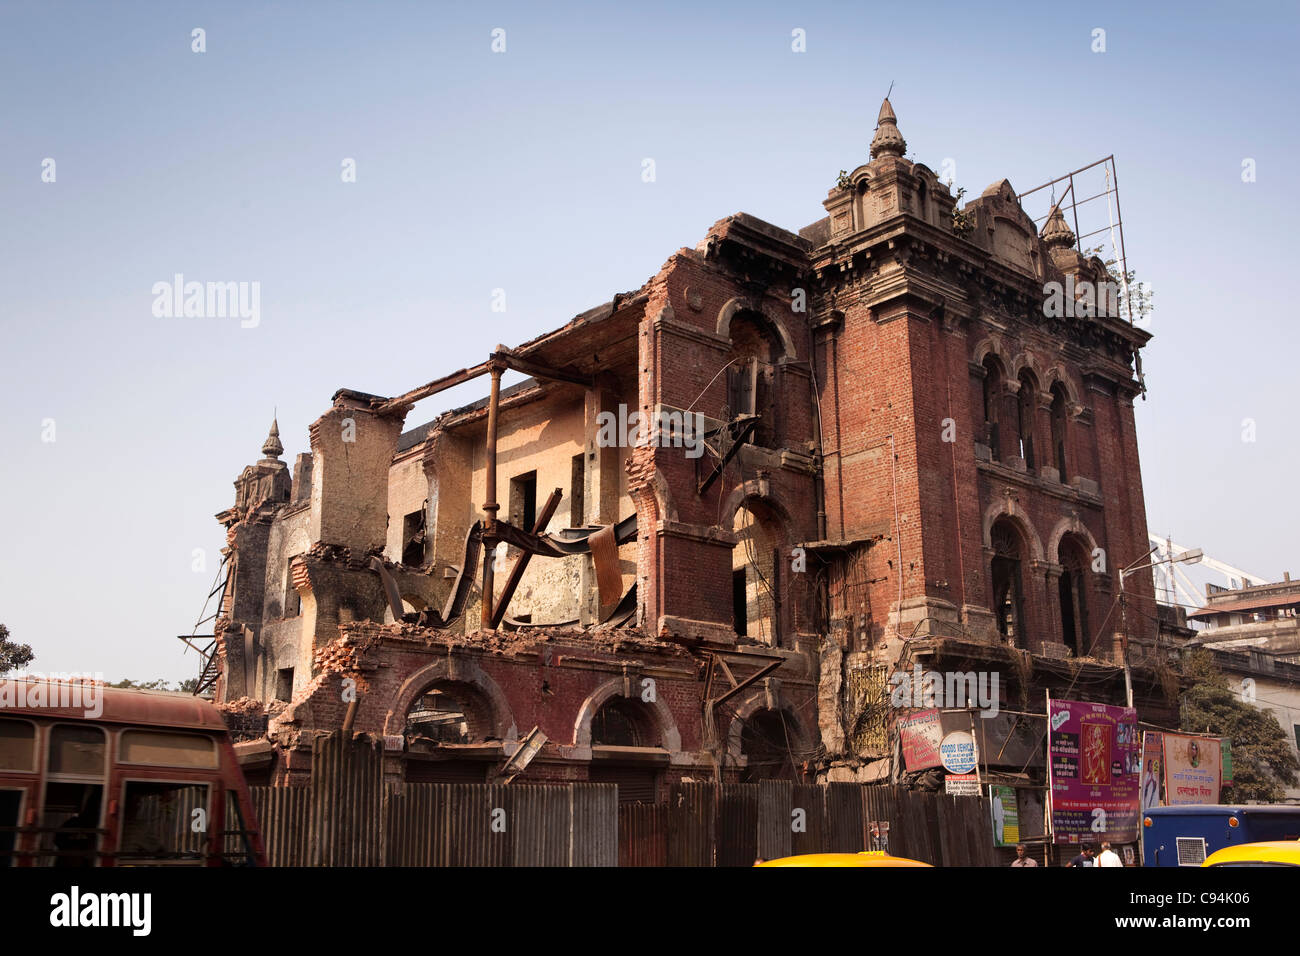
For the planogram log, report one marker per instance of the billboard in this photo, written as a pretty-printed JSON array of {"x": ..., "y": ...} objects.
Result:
[
  {"x": 920, "y": 735},
  {"x": 1153, "y": 757},
  {"x": 1006, "y": 815},
  {"x": 1093, "y": 757},
  {"x": 1193, "y": 769}
]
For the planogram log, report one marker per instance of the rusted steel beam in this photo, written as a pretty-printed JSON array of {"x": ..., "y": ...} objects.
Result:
[
  {"x": 491, "y": 506},
  {"x": 748, "y": 681},
  {"x": 390, "y": 588},
  {"x": 521, "y": 562},
  {"x": 432, "y": 388},
  {"x": 541, "y": 371},
  {"x": 746, "y": 428}
]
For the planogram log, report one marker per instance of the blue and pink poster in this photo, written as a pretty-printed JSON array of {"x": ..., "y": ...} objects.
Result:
[{"x": 1094, "y": 755}]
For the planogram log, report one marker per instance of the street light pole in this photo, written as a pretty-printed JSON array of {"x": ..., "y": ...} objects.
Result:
[{"x": 1187, "y": 557}]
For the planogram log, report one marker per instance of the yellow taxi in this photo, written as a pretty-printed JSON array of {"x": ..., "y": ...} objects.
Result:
[
  {"x": 864, "y": 858},
  {"x": 1271, "y": 853}
]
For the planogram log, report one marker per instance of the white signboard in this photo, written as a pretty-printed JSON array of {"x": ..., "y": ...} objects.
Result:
[
  {"x": 962, "y": 785},
  {"x": 957, "y": 752}
]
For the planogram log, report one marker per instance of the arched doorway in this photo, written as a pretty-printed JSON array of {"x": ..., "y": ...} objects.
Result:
[
  {"x": 1007, "y": 578},
  {"x": 627, "y": 749},
  {"x": 752, "y": 375},
  {"x": 756, "y": 572},
  {"x": 1072, "y": 593},
  {"x": 442, "y": 726},
  {"x": 769, "y": 740}
]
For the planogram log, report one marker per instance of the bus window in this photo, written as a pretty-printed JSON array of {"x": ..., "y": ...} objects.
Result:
[
  {"x": 76, "y": 750},
  {"x": 160, "y": 823},
  {"x": 17, "y": 745},
  {"x": 167, "y": 750},
  {"x": 71, "y": 810},
  {"x": 70, "y": 827},
  {"x": 11, "y": 802}
]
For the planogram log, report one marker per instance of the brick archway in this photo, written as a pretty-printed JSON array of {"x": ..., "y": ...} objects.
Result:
[
  {"x": 672, "y": 740},
  {"x": 1070, "y": 525},
  {"x": 1016, "y": 515},
  {"x": 736, "y": 305},
  {"x": 753, "y": 702},
  {"x": 455, "y": 672}
]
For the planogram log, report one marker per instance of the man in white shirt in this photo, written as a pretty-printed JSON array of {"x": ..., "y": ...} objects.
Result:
[{"x": 1108, "y": 857}]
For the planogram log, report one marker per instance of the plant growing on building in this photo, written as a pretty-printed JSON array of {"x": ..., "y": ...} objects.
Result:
[
  {"x": 1140, "y": 301},
  {"x": 963, "y": 223}
]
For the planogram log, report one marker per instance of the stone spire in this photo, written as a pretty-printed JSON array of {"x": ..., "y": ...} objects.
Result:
[
  {"x": 272, "y": 448},
  {"x": 1055, "y": 232},
  {"x": 888, "y": 140}
]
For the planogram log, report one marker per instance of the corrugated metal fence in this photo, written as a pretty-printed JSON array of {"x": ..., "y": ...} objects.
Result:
[{"x": 350, "y": 817}]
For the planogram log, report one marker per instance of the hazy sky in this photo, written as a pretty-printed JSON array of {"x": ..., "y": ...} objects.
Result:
[{"x": 522, "y": 171}]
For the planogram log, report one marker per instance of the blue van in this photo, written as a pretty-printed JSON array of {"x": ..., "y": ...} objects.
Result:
[{"x": 1186, "y": 835}]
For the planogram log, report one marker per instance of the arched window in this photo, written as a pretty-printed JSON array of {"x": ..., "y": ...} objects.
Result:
[
  {"x": 1027, "y": 407},
  {"x": 1006, "y": 577},
  {"x": 1058, "y": 428},
  {"x": 624, "y": 722},
  {"x": 751, "y": 378},
  {"x": 992, "y": 398},
  {"x": 448, "y": 713}
]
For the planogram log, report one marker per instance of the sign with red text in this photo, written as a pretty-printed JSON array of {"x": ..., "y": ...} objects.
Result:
[{"x": 1193, "y": 769}]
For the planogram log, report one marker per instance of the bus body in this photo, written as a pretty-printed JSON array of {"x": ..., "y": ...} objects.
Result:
[
  {"x": 1186, "y": 835},
  {"x": 94, "y": 775}
]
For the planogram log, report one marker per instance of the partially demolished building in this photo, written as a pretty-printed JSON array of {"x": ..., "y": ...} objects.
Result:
[{"x": 724, "y": 509}]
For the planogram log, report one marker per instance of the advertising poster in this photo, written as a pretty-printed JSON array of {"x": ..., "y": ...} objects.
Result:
[
  {"x": 1093, "y": 759},
  {"x": 1227, "y": 762},
  {"x": 921, "y": 735},
  {"x": 1193, "y": 769},
  {"x": 1006, "y": 815},
  {"x": 1153, "y": 756}
]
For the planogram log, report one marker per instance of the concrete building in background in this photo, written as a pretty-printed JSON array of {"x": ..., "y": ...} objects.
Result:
[{"x": 866, "y": 445}]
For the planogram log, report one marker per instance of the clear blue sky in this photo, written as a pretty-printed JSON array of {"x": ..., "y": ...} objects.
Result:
[{"x": 522, "y": 171}]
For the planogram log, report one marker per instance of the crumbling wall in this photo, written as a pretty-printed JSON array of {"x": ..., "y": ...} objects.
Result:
[{"x": 281, "y": 634}]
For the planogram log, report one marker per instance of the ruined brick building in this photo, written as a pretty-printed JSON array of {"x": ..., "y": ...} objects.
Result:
[{"x": 904, "y": 460}]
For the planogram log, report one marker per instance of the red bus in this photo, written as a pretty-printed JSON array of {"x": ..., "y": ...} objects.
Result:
[{"x": 98, "y": 776}]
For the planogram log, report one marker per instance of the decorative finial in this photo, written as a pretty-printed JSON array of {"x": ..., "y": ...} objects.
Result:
[
  {"x": 1055, "y": 231},
  {"x": 888, "y": 140},
  {"x": 272, "y": 448}
]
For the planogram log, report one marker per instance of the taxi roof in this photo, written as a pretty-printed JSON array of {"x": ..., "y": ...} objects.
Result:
[{"x": 1269, "y": 851}]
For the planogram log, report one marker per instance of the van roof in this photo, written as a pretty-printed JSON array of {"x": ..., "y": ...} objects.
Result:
[
  {"x": 1203, "y": 809},
  {"x": 71, "y": 699}
]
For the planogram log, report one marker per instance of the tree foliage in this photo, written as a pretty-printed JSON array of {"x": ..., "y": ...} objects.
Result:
[
  {"x": 13, "y": 655},
  {"x": 1263, "y": 763}
]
